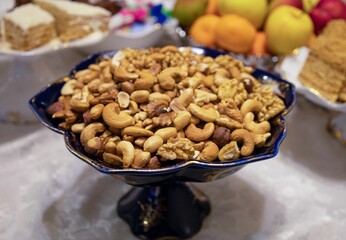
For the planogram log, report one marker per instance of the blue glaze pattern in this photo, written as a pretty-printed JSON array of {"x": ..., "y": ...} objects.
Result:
[{"x": 189, "y": 171}]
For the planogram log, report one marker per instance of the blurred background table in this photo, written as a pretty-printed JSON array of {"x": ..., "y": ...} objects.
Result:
[{"x": 47, "y": 193}]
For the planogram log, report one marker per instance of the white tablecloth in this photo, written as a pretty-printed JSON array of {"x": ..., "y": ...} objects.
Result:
[{"x": 47, "y": 193}]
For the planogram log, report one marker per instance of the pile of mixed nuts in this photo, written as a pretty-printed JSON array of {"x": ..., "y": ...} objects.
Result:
[{"x": 144, "y": 107}]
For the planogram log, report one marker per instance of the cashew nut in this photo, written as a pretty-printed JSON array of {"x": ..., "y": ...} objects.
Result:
[
  {"x": 209, "y": 152},
  {"x": 104, "y": 87},
  {"x": 204, "y": 97},
  {"x": 68, "y": 87},
  {"x": 167, "y": 133},
  {"x": 197, "y": 134},
  {"x": 221, "y": 75},
  {"x": 229, "y": 152},
  {"x": 169, "y": 48},
  {"x": 121, "y": 74},
  {"x": 111, "y": 147},
  {"x": 80, "y": 101},
  {"x": 250, "y": 105},
  {"x": 228, "y": 123},
  {"x": 245, "y": 137},
  {"x": 112, "y": 159},
  {"x": 186, "y": 97},
  {"x": 168, "y": 77},
  {"x": 252, "y": 126},
  {"x": 96, "y": 111},
  {"x": 145, "y": 82},
  {"x": 141, "y": 159},
  {"x": 140, "y": 141},
  {"x": 137, "y": 132},
  {"x": 114, "y": 118},
  {"x": 90, "y": 132},
  {"x": 181, "y": 120},
  {"x": 127, "y": 151},
  {"x": 207, "y": 115},
  {"x": 153, "y": 143},
  {"x": 260, "y": 139}
]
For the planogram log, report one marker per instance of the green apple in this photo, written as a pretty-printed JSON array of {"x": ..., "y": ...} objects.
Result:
[
  {"x": 287, "y": 28},
  {"x": 253, "y": 10},
  {"x": 187, "y": 11}
]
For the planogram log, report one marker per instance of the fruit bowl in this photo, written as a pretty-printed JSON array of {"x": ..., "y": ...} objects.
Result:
[
  {"x": 162, "y": 204},
  {"x": 266, "y": 62}
]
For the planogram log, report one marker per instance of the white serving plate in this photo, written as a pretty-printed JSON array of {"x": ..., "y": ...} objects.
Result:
[
  {"x": 55, "y": 45},
  {"x": 290, "y": 68}
]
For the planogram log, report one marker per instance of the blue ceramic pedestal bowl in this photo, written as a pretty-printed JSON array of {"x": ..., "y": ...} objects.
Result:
[{"x": 161, "y": 204}]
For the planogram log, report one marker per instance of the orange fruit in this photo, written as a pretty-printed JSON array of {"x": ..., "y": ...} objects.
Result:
[
  {"x": 235, "y": 33},
  {"x": 211, "y": 7},
  {"x": 202, "y": 30},
  {"x": 259, "y": 46}
]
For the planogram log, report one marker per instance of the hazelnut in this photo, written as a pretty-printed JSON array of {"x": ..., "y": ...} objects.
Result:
[
  {"x": 55, "y": 107},
  {"x": 221, "y": 136},
  {"x": 87, "y": 117},
  {"x": 153, "y": 163}
]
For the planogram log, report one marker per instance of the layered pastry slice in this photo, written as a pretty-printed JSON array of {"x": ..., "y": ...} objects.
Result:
[
  {"x": 28, "y": 27},
  {"x": 75, "y": 20},
  {"x": 325, "y": 68}
]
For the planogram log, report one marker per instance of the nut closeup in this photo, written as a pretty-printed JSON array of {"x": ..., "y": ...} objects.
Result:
[{"x": 143, "y": 107}]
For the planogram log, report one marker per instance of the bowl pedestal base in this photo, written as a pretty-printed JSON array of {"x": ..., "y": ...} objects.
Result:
[{"x": 168, "y": 211}]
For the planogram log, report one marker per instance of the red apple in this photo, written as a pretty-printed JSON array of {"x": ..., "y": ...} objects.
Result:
[
  {"x": 336, "y": 8},
  {"x": 325, "y": 11},
  {"x": 320, "y": 18}
]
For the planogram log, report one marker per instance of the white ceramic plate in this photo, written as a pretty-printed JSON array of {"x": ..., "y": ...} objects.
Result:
[
  {"x": 290, "y": 68},
  {"x": 55, "y": 45}
]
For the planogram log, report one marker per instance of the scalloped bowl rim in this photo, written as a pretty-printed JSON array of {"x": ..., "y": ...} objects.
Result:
[{"x": 177, "y": 167}]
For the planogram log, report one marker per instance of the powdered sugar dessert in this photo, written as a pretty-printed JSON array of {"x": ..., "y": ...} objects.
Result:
[
  {"x": 28, "y": 27},
  {"x": 75, "y": 20}
]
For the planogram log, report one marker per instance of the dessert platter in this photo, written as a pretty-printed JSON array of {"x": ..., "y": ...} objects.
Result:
[
  {"x": 44, "y": 37},
  {"x": 160, "y": 117},
  {"x": 319, "y": 72},
  {"x": 45, "y": 26}
]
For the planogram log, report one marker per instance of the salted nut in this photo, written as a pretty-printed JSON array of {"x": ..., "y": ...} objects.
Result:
[
  {"x": 127, "y": 151},
  {"x": 207, "y": 115},
  {"x": 153, "y": 143},
  {"x": 137, "y": 132},
  {"x": 168, "y": 77},
  {"x": 114, "y": 118},
  {"x": 252, "y": 126},
  {"x": 197, "y": 134},
  {"x": 146, "y": 106},
  {"x": 229, "y": 152},
  {"x": 209, "y": 152},
  {"x": 90, "y": 131},
  {"x": 182, "y": 120},
  {"x": 247, "y": 140},
  {"x": 250, "y": 105}
]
